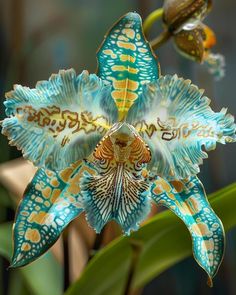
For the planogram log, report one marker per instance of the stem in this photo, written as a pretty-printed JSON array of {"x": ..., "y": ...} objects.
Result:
[
  {"x": 160, "y": 40},
  {"x": 151, "y": 19},
  {"x": 136, "y": 249},
  {"x": 65, "y": 238},
  {"x": 97, "y": 244}
]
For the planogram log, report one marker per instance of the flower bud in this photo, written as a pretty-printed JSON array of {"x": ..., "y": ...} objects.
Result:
[{"x": 184, "y": 14}]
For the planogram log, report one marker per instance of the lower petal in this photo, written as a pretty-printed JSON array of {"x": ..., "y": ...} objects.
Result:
[
  {"x": 117, "y": 195},
  {"x": 187, "y": 199},
  {"x": 50, "y": 202}
]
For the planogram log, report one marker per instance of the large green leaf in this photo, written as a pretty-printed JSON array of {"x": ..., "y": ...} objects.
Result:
[
  {"x": 43, "y": 276},
  {"x": 158, "y": 245}
]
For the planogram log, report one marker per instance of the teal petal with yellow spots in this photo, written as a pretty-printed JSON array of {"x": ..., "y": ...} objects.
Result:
[
  {"x": 175, "y": 120},
  {"x": 126, "y": 60},
  {"x": 61, "y": 120},
  {"x": 50, "y": 202},
  {"x": 187, "y": 199}
]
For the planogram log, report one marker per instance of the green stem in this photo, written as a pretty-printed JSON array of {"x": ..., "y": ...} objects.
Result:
[
  {"x": 147, "y": 25},
  {"x": 136, "y": 250},
  {"x": 151, "y": 19},
  {"x": 97, "y": 244},
  {"x": 160, "y": 40},
  {"x": 65, "y": 238}
]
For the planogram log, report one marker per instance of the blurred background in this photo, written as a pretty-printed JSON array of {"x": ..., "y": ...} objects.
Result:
[{"x": 38, "y": 38}]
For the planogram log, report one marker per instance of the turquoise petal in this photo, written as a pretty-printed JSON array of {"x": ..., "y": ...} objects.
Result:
[
  {"x": 175, "y": 120},
  {"x": 126, "y": 60},
  {"x": 187, "y": 199},
  {"x": 61, "y": 120},
  {"x": 50, "y": 202}
]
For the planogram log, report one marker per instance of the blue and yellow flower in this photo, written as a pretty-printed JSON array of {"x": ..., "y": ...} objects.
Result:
[{"x": 110, "y": 144}]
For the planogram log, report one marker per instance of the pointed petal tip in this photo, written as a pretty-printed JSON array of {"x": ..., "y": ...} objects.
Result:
[
  {"x": 133, "y": 16},
  {"x": 210, "y": 282}
]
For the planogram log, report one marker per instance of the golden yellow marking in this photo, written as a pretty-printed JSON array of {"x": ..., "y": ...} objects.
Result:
[
  {"x": 33, "y": 235},
  {"x": 110, "y": 52},
  {"x": 47, "y": 192},
  {"x": 49, "y": 173},
  {"x": 54, "y": 182},
  {"x": 126, "y": 45},
  {"x": 130, "y": 33},
  {"x": 25, "y": 246},
  {"x": 194, "y": 204},
  {"x": 142, "y": 50},
  {"x": 55, "y": 194},
  {"x": 39, "y": 200},
  {"x": 126, "y": 57},
  {"x": 178, "y": 185},
  {"x": 116, "y": 94},
  {"x": 201, "y": 229},
  {"x": 37, "y": 217},
  {"x": 118, "y": 69},
  {"x": 161, "y": 186},
  {"x": 65, "y": 174},
  {"x": 126, "y": 84},
  {"x": 123, "y": 38},
  {"x": 208, "y": 244},
  {"x": 47, "y": 204}
]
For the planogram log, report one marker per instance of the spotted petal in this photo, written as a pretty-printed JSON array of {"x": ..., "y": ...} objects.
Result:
[
  {"x": 117, "y": 191},
  {"x": 61, "y": 120},
  {"x": 126, "y": 60},
  {"x": 176, "y": 121},
  {"x": 188, "y": 201},
  {"x": 50, "y": 202}
]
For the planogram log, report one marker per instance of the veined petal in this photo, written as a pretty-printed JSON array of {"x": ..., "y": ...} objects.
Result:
[
  {"x": 126, "y": 60},
  {"x": 176, "y": 121},
  {"x": 50, "y": 202},
  {"x": 61, "y": 120},
  {"x": 118, "y": 190},
  {"x": 187, "y": 199}
]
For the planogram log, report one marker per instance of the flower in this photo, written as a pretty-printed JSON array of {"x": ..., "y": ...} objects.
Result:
[{"x": 109, "y": 144}]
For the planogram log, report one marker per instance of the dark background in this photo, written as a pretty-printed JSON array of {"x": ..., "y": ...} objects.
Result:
[{"x": 38, "y": 38}]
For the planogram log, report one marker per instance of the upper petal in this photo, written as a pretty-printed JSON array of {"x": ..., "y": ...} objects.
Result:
[
  {"x": 126, "y": 60},
  {"x": 61, "y": 120},
  {"x": 176, "y": 121}
]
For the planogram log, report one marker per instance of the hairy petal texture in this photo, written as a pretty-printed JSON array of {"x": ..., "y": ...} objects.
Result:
[
  {"x": 61, "y": 120},
  {"x": 50, "y": 202},
  {"x": 118, "y": 191},
  {"x": 126, "y": 60},
  {"x": 187, "y": 199},
  {"x": 175, "y": 120}
]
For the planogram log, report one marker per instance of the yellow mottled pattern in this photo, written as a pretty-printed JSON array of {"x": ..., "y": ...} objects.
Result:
[{"x": 32, "y": 235}]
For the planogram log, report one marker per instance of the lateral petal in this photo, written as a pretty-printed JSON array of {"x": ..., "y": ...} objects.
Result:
[
  {"x": 187, "y": 199},
  {"x": 49, "y": 204},
  {"x": 61, "y": 120},
  {"x": 175, "y": 120}
]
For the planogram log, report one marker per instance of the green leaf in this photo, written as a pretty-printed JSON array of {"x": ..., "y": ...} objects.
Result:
[
  {"x": 43, "y": 276},
  {"x": 162, "y": 242}
]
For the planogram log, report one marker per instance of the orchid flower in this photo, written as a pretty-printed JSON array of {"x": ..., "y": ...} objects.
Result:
[{"x": 112, "y": 143}]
